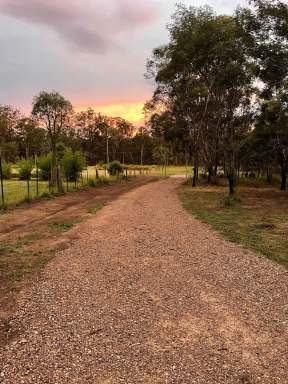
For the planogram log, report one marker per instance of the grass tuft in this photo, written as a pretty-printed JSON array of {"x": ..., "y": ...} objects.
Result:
[
  {"x": 57, "y": 227},
  {"x": 95, "y": 208}
]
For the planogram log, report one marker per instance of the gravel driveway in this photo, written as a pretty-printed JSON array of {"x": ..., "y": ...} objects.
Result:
[{"x": 147, "y": 294}]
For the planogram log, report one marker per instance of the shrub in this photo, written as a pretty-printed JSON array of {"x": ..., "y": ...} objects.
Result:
[
  {"x": 92, "y": 182},
  {"x": 25, "y": 169},
  {"x": 98, "y": 182},
  {"x": 45, "y": 166},
  {"x": 115, "y": 168},
  {"x": 72, "y": 163},
  {"x": 6, "y": 170}
]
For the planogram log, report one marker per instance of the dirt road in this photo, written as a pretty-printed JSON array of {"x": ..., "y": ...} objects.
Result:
[{"x": 148, "y": 294}]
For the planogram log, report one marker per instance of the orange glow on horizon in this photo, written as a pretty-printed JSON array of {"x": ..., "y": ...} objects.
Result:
[{"x": 131, "y": 111}]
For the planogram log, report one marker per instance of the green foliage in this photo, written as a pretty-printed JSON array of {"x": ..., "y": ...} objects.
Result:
[
  {"x": 53, "y": 109},
  {"x": 161, "y": 153},
  {"x": 72, "y": 163},
  {"x": 265, "y": 36},
  {"x": 45, "y": 166},
  {"x": 92, "y": 182},
  {"x": 95, "y": 208},
  {"x": 62, "y": 225},
  {"x": 60, "y": 149},
  {"x": 202, "y": 106},
  {"x": 8, "y": 122},
  {"x": 6, "y": 170},
  {"x": 115, "y": 168},
  {"x": 25, "y": 169}
]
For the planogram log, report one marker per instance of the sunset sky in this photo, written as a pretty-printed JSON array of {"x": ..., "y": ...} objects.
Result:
[{"x": 92, "y": 51}]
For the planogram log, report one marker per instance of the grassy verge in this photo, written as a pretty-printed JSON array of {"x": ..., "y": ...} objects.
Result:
[
  {"x": 16, "y": 192},
  {"x": 171, "y": 170},
  {"x": 256, "y": 219}
]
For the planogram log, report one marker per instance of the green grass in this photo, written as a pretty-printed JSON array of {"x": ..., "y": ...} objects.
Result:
[
  {"x": 95, "y": 208},
  {"x": 256, "y": 219},
  {"x": 57, "y": 227},
  {"x": 16, "y": 191},
  {"x": 171, "y": 170}
]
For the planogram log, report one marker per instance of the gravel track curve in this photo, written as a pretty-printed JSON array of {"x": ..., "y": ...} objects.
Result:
[{"x": 148, "y": 294}]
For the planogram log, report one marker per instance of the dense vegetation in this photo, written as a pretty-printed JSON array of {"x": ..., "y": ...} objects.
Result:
[
  {"x": 221, "y": 104},
  {"x": 86, "y": 131},
  {"x": 222, "y": 91}
]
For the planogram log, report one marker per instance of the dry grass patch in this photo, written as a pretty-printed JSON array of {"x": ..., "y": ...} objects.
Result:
[{"x": 257, "y": 218}]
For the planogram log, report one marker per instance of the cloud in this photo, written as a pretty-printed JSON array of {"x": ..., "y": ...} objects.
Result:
[{"x": 93, "y": 26}]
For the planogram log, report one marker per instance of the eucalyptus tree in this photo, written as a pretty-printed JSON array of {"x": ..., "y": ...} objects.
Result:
[
  {"x": 53, "y": 112},
  {"x": 272, "y": 125},
  {"x": 204, "y": 73},
  {"x": 9, "y": 118},
  {"x": 31, "y": 138},
  {"x": 264, "y": 27}
]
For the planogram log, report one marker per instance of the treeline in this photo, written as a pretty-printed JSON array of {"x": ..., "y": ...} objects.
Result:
[
  {"x": 100, "y": 138},
  {"x": 222, "y": 90}
]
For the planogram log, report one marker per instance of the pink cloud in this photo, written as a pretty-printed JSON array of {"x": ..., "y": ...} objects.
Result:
[{"x": 90, "y": 26}]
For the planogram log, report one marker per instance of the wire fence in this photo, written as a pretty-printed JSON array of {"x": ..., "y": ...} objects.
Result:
[{"x": 15, "y": 191}]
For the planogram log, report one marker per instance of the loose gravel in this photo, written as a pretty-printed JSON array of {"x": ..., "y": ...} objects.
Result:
[{"x": 148, "y": 294}]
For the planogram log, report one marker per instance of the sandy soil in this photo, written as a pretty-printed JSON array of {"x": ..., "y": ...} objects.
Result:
[{"x": 147, "y": 294}]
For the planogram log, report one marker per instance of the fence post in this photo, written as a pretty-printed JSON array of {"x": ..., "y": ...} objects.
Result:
[{"x": 1, "y": 180}]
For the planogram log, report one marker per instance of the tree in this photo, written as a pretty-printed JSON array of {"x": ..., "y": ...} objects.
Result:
[
  {"x": 141, "y": 141},
  {"x": 53, "y": 111},
  {"x": 272, "y": 125},
  {"x": 162, "y": 154},
  {"x": 264, "y": 30},
  {"x": 31, "y": 138},
  {"x": 204, "y": 82},
  {"x": 9, "y": 117},
  {"x": 73, "y": 163}
]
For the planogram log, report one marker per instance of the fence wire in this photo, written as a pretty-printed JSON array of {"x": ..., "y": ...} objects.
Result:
[{"x": 15, "y": 191}]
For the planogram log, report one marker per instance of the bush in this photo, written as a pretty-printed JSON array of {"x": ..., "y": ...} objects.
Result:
[
  {"x": 72, "y": 163},
  {"x": 45, "y": 166},
  {"x": 98, "y": 182},
  {"x": 6, "y": 170},
  {"x": 92, "y": 182},
  {"x": 25, "y": 169},
  {"x": 115, "y": 168}
]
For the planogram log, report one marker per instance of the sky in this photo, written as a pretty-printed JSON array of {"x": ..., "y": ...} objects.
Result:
[{"x": 93, "y": 52}]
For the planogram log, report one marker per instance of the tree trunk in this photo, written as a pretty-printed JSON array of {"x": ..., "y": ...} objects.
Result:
[
  {"x": 210, "y": 174},
  {"x": 107, "y": 150},
  {"x": 232, "y": 184},
  {"x": 142, "y": 154},
  {"x": 283, "y": 179},
  {"x": 269, "y": 176},
  {"x": 195, "y": 171},
  {"x": 59, "y": 180},
  {"x": 53, "y": 179}
]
